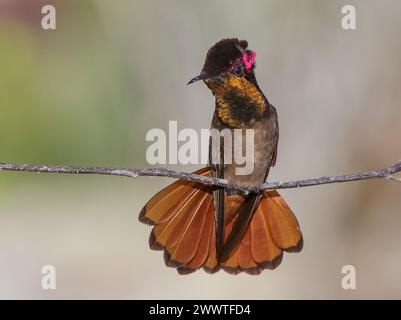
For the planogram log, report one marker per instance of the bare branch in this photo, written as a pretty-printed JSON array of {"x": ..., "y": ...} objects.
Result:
[{"x": 385, "y": 173}]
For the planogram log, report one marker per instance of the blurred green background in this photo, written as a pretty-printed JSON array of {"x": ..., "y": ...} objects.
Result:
[{"x": 87, "y": 93}]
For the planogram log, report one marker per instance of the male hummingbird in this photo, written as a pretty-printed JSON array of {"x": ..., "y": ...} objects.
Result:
[{"x": 210, "y": 227}]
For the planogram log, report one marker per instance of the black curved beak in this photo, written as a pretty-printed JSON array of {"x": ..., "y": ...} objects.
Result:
[{"x": 197, "y": 78}]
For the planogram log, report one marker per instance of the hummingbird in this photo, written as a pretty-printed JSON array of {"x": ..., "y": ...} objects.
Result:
[{"x": 213, "y": 228}]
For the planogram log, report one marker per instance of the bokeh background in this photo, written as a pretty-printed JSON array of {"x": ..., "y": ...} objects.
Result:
[{"x": 87, "y": 93}]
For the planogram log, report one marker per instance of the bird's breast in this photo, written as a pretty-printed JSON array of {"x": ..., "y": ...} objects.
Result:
[{"x": 248, "y": 150}]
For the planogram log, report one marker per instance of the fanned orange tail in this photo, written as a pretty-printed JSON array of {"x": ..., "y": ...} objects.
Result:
[{"x": 183, "y": 218}]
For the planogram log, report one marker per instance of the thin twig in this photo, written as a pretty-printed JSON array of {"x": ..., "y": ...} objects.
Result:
[{"x": 386, "y": 173}]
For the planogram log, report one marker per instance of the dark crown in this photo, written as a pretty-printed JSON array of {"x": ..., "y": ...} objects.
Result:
[{"x": 220, "y": 56}]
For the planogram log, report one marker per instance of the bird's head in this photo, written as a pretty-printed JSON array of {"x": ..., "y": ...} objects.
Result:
[
  {"x": 227, "y": 58},
  {"x": 228, "y": 71}
]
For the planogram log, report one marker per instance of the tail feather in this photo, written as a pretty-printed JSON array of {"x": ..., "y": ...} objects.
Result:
[
  {"x": 164, "y": 205},
  {"x": 184, "y": 227},
  {"x": 282, "y": 222},
  {"x": 187, "y": 246},
  {"x": 202, "y": 254},
  {"x": 264, "y": 250},
  {"x": 231, "y": 264},
  {"x": 171, "y": 231},
  {"x": 211, "y": 265},
  {"x": 245, "y": 259}
]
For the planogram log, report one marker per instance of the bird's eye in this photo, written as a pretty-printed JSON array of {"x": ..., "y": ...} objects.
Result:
[{"x": 239, "y": 70}]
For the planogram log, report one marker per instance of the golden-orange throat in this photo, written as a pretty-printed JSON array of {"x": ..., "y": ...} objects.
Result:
[{"x": 238, "y": 100}]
